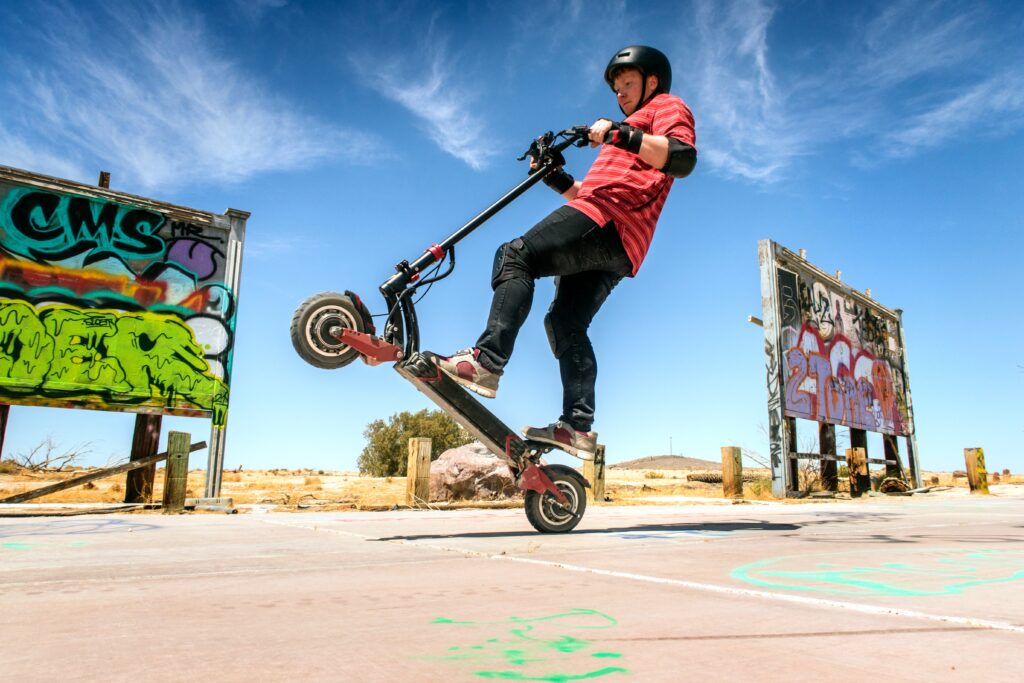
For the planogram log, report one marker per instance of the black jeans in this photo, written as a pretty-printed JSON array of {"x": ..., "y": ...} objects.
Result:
[{"x": 588, "y": 261}]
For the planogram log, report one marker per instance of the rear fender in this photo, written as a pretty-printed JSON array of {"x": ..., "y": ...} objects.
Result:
[{"x": 550, "y": 470}]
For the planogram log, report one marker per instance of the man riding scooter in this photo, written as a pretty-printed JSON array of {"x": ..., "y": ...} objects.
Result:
[{"x": 589, "y": 244}]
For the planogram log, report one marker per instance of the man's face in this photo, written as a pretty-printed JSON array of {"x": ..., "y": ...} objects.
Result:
[{"x": 628, "y": 86}]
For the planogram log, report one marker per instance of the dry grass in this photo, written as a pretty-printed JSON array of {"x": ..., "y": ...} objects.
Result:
[{"x": 321, "y": 488}]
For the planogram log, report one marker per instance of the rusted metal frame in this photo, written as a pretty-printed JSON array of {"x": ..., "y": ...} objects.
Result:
[
  {"x": 232, "y": 280},
  {"x": 778, "y": 437},
  {"x": 911, "y": 437},
  {"x": 92, "y": 476}
]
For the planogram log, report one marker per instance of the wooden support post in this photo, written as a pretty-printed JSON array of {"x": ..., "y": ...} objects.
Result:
[
  {"x": 732, "y": 472},
  {"x": 893, "y": 466},
  {"x": 977, "y": 476},
  {"x": 417, "y": 476},
  {"x": 827, "y": 446},
  {"x": 859, "y": 439},
  {"x": 138, "y": 487},
  {"x": 792, "y": 464},
  {"x": 176, "y": 471},
  {"x": 593, "y": 472},
  {"x": 857, "y": 463}
]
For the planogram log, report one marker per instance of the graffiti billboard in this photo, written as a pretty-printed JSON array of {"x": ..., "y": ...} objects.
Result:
[
  {"x": 115, "y": 302},
  {"x": 834, "y": 355}
]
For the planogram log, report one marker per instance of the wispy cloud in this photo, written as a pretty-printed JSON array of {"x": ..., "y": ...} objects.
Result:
[
  {"x": 158, "y": 106},
  {"x": 909, "y": 38},
  {"x": 426, "y": 84},
  {"x": 743, "y": 128},
  {"x": 912, "y": 75},
  {"x": 998, "y": 99},
  {"x": 253, "y": 10}
]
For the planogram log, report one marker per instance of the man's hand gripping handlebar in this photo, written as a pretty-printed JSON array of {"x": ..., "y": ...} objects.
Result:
[{"x": 546, "y": 156}]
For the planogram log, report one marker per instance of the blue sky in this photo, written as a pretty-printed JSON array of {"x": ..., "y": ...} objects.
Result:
[{"x": 884, "y": 137}]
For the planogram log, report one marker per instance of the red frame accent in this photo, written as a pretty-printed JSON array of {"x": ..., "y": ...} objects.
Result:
[
  {"x": 534, "y": 479},
  {"x": 437, "y": 251},
  {"x": 373, "y": 350}
]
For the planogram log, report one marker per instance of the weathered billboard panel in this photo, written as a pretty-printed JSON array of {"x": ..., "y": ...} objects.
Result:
[
  {"x": 843, "y": 360},
  {"x": 833, "y": 355},
  {"x": 115, "y": 302}
]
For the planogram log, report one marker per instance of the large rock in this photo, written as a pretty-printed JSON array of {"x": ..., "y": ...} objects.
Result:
[{"x": 470, "y": 472}]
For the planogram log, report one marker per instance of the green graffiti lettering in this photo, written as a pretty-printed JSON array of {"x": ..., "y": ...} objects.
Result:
[
  {"x": 527, "y": 651},
  {"x": 107, "y": 357},
  {"x": 45, "y": 225},
  {"x": 898, "y": 573},
  {"x": 26, "y": 350}
]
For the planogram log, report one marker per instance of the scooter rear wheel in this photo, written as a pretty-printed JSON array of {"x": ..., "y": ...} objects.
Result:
[
  {"x": 547, "y": 515},
  {"x": 312, "y": 327}
]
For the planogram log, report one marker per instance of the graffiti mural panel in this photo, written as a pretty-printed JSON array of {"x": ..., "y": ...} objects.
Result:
[
  {"x": 115, "y": 302},
  {"x": 842, "y": 359}
]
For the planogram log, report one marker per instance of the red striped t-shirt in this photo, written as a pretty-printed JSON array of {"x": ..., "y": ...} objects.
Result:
[{"x": 622, "y": 187}]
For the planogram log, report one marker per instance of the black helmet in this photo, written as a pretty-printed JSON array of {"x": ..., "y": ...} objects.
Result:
[{"x": 647, "y": 60}]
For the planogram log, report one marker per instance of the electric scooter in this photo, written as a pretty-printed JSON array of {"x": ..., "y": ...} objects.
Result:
[{"x": 330, "y": 330}]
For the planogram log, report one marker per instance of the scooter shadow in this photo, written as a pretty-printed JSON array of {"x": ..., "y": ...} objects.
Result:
[{"x": 694, "y": 529}]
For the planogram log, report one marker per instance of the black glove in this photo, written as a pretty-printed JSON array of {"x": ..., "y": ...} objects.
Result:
[
  {"x": 625, "y": 136},
  {"x": 559, "y": 181}
]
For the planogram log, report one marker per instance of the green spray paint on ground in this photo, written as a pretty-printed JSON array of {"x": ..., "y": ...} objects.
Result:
[
  {"x": 15, "y": 545},
  {"x": 546, "y": 648},
  {"x": 112, "y": 358},
  {"x": 923, "y": 572}
]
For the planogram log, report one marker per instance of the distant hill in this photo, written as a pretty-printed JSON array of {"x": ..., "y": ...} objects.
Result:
[{"x": 667, "y": 462}]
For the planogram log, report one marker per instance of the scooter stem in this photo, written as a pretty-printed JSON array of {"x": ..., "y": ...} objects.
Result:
[{"x": 407, "y": 272}]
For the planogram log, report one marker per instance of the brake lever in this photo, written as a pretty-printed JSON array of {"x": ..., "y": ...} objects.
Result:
[
  {"x": 580, "y": 133},
  {"x": 538, "y": 147}
]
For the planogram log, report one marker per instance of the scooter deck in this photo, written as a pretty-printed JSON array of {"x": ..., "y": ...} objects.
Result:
[{"x": 466, "y": 410}]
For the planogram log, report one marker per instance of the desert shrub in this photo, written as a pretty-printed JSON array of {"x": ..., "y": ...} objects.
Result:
[
  {"x": 48, "y": 455},
  {"x": 760, "y": 488},
  {"x": 8, "y": 467},
  {"x": 654, "y": 475},
  {"x": 387, "y": 443}
]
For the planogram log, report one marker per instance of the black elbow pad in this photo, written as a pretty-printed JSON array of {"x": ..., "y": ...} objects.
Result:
[{"x": 681, "y": 159}]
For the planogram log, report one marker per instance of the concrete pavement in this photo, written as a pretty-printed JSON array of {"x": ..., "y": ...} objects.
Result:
[{"x": 897, "y": 589}]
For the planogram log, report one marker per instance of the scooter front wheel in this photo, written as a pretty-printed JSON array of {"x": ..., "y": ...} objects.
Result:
[
  {"x": 547, "y": 515},
  {"x": 316, "y": 324}
]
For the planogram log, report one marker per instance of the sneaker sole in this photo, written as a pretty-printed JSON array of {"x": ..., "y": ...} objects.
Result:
[
  {"x": 475, "y": 388},
  {"x": 582, "y": 455}
]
